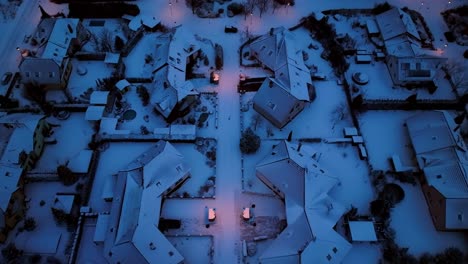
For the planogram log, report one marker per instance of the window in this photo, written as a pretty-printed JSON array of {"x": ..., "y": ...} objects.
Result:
[
  {"x": 51, "y": 74},
  {"x": 27, "y": 74},
  {"x": 271, "y": 105},
  {"x": 37, "y": 74},
  {"x": 270, "y": 53},
  {"x": 460, "y": 217}
]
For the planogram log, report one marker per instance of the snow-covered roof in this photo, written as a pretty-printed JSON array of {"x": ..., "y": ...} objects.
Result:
[
  {"x": 10, "y": 176},
  {"x": 442, "y": 156},
  {"x": 101, "y": 228},
  {"x": 22, "y": 137},
  {"x": 277, "y": 51},
  {"x": 80, "y": 162},
  {"x": 170, "y": 88},
  {"x": 170, "y": 85},
  {"x": 396, "y": 22},
  {"x": 417, "y": 68},
  {"x": 139, "y": 20},
  {"x": 371, "y": 26},
  {"x": 94, "y": 113},
  {"x": 99, "y": 97},
  {"x": 65, "y": 29},
  {"x": 64, "y": 202},
  {"x": 133, "y": 233},
  {"x": 112, "y": 58},
  {"x": 311, "y": 213},
  {"x": 122, "y": 84},
  {"x": 362, "y": 231}
]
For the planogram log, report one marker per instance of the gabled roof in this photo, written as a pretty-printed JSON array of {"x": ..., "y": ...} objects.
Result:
[
  {"x": 170, "y": 85},
  {"x": 133, "y": 233},
  {"x": 278, "y": 51},
  {"x": 10, "y": 176},
  {"x": 22, "y": 137},
  {"x": 311, "y": 213},
  {"x": 396, "y": 22},
  {"x": 442, "y": 156},
  {"x": 65, "y": 29}
]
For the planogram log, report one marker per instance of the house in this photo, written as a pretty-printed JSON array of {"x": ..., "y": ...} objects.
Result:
[
  {"x": 26, "y": 133},
  {"x": 172, "y": 92},
  {"x": 50, "y": 66},
  {"x": 396, "y": 23},
  {"x": 132, "y": 234},
  {"x": 11, "y": 198},
  {"x": 414, "y": 70},
  {"x": 442, "y": 157},
  {"x": 409, "y": 65},
  {"x": 281, "y": 98},
  {"x": 292, "y": 174}
]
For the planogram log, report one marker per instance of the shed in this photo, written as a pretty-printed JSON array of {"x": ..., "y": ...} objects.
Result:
[
  {"x": 123, "y": 86},
  {"x": 99, "y": 98},
  {"x": 350, "y": 131},
  {"x": 112, "y": 58},
  {"x": 101, "y": 228},
  {"x": 372, "y": 28},
  {"x": 363, "y": 59},
  {"x": 94, "y": 113},
  {"x": 362, "y": 231},
  {"x": 64, "y": 202}
]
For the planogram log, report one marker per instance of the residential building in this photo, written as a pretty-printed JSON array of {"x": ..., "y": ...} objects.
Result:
[
  {"x": 409, "y": 64},
  {"x": 11, "y": 198},
  {"x": 281, "y": 98},
  {"x": 26, "y": 133},
  {"x": 442, "y": 157},
  {"x": 311, "y": 214},
  {"x": 50, "y": 65},
  {"x": 173, "y": 93},
  {"x": 132, "y": 234}
]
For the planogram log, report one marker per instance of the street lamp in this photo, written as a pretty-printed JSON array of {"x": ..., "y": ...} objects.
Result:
[
  {"x": 170, "y": 5},
  {"x": 287, "y": 8}
]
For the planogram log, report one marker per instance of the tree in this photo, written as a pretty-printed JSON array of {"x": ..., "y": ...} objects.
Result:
[
  {"x": 10, "y": 252},
  {"x": 450, "y": 255},
  {"x": 194, "y": 4},
  {"x": 263, "y": 6},
  {"x": 66, "y": 175},
  {"x": 119, "y": 43},
  {"x": 249, "y": 7},
  {"x": 249, "y": 142},
  {"x": 29, "y": 224}
]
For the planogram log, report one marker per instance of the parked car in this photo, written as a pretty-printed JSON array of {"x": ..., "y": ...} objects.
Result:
[
  {"x": 6, "y": 78},
  {"x": 231, "y": 29}
]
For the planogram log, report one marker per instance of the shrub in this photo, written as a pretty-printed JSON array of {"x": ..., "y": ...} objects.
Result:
[
  {"x": 118, "y": 43},
  {"x": 36, "y": 258},
  {"x": 450, "y": 255},
  {"x": 102, "y": 10},
  {"x": 249, "y": 142},
  {"x": 42, "y": 203},
  {"x": 143, "y": 94},
  {"x": 10, "y": 252},
  {"x": 66, "y": 175},
  {"x": 236, "y": 8},
  {"x": 380, "y": 8},
  {"x": 465, "y": 54},
  {"x": 393, "y": 193},
  {"x": 29, "y": 224}
]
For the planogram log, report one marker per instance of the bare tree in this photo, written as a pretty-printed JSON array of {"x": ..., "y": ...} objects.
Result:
[
  {"x": 105, "y": 38},
  {"x": 275, "y": 6},
  {"x": 249, "y": 6},
  {"x": 456, "y": 72},
  {"x": 263, "y": 6}
]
